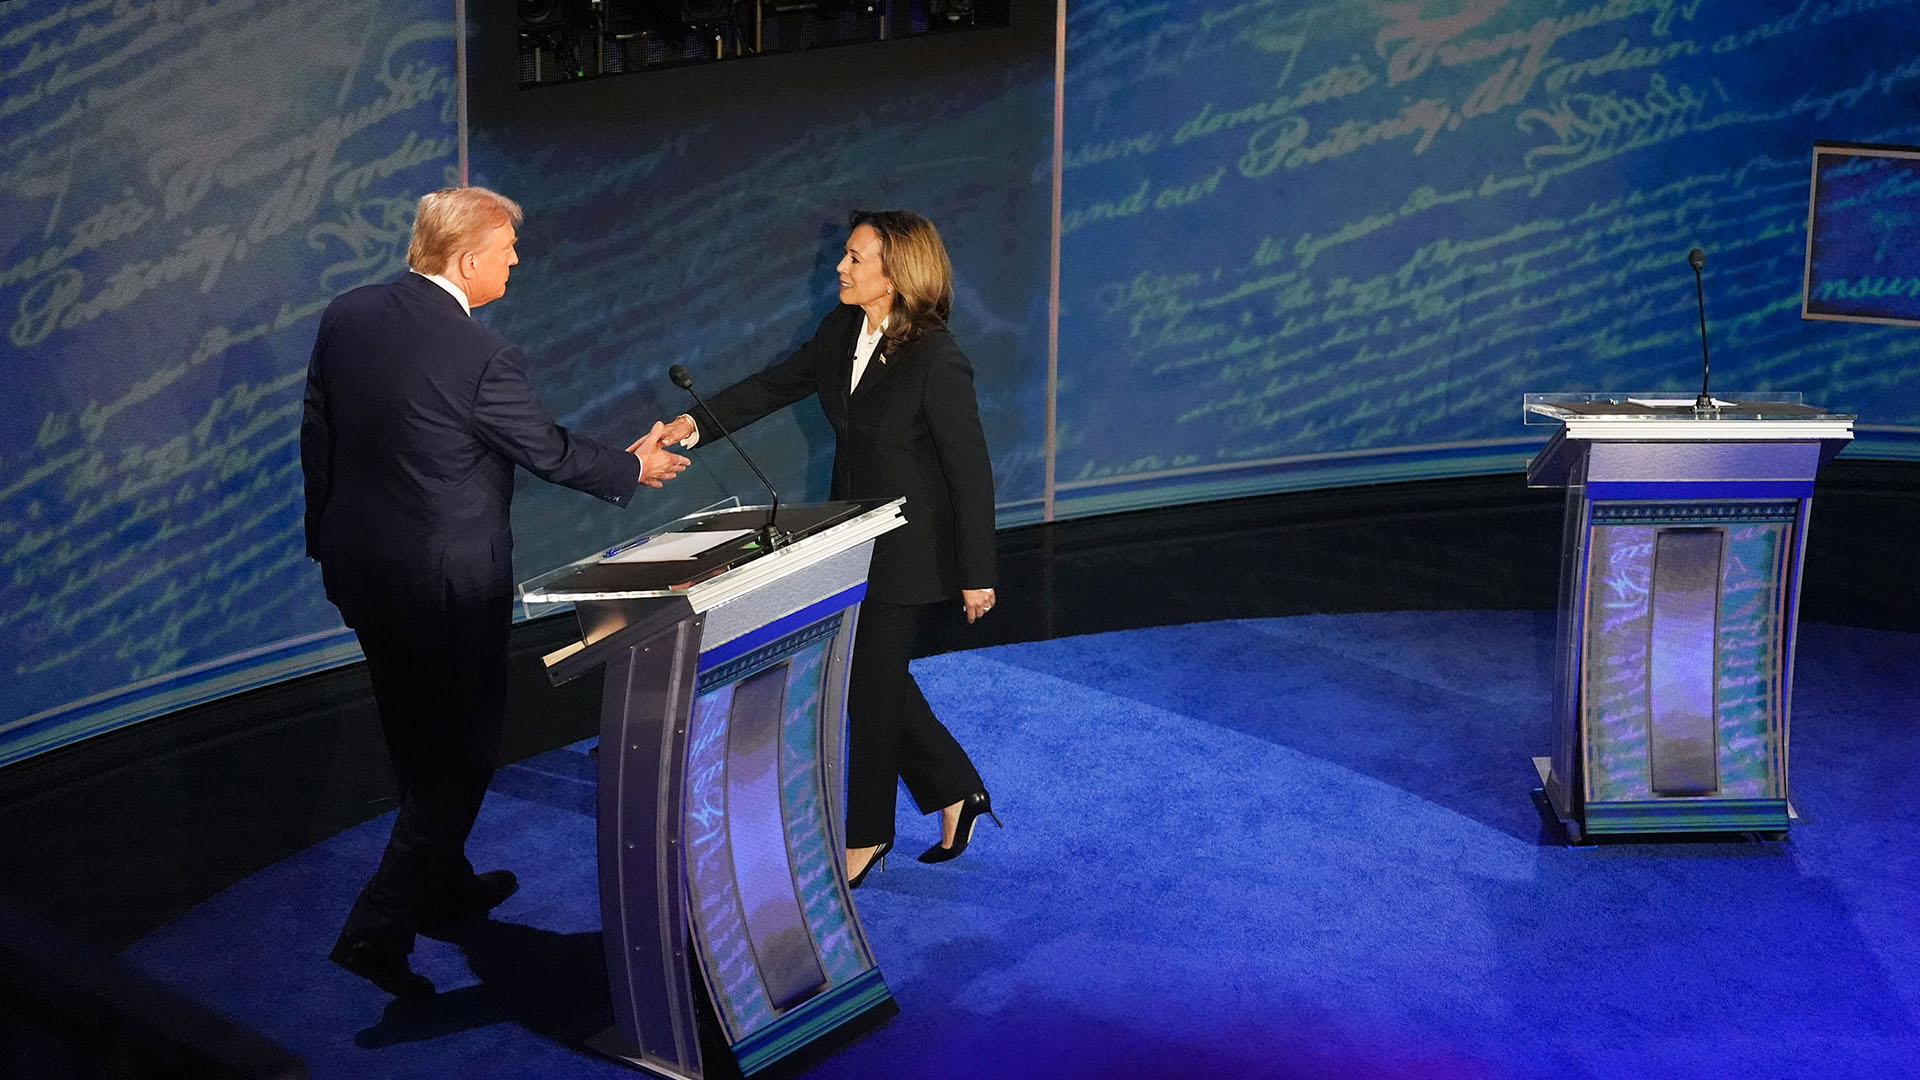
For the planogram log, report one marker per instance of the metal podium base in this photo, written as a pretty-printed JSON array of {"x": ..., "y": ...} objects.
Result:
[
  {"x": 609, "y": 1044},
  {"x": 1572, "y": 828},
  {"x": 803, "y": 1038},
  {"x": 1767, "y": 819}
]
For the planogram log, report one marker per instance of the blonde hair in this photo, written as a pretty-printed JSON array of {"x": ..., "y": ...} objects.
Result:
[
  {"x": 915, "y": 260},
  {"x": 452, "y": 219}
]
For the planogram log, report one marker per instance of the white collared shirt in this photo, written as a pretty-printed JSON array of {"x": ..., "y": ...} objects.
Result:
[
  {"x": 458, "y": 293},
  {"x": 863, "y": 351}
]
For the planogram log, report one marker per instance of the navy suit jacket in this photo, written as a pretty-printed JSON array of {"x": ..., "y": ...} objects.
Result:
[
  {"x": 415, "y": 416},
  {"x": 911, "y": 428}
]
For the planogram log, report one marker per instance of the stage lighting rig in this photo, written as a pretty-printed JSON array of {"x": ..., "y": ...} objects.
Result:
[
  {"x": 549, "y": 14},
  {"x": 706, "y": 12},
  {"x": 557, "y": 40},
  {"x": 866, "y": 9},
  {"x": 564, "y": 40},
  {"x": 952, "y": 12},
  {"x": 665, "y": 16}
]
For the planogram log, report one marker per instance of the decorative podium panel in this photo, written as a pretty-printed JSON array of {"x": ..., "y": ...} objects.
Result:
[
  {"x": 723, "y": 887},
  {"x": 1679, "y": 584}
]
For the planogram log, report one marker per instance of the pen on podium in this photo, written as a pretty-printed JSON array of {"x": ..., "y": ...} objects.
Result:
[{"x": 618, "y": 548}]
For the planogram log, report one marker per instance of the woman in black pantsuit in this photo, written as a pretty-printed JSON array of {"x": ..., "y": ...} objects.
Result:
[{"x": 899, "y": 395}]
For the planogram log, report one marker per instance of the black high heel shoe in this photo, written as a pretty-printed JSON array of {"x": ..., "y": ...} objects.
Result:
[
  {"x": 971, "y": 808},
  {"x": 879, "y": 860}
]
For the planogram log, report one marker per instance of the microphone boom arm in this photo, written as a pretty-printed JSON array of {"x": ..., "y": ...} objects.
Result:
[
  {"x": 1704, "y": 403},
  {"x": 770, "y": 532}
]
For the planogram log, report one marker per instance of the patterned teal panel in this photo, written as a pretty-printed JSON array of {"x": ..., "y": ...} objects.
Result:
[
  {"x": 719, "y": 923},
  {"x": 1614, "y": 711},
  {"x": 809, "y": 831},
  {"x": 1752, "y": 667},
  {"x": 1750, "y": 661},
  {"x": 1688, "y": 815}
]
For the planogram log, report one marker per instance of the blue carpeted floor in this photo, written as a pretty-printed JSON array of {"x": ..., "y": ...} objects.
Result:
[{"x": 1279, "y": 848}]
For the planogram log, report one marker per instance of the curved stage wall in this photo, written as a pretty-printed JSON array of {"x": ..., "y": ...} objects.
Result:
[
  {"x": 1335, "y": 243},
  {"x": 1301, "y": 246}
]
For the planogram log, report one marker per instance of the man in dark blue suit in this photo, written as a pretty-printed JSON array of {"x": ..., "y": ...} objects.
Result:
[{"x": 415, "y": 418}]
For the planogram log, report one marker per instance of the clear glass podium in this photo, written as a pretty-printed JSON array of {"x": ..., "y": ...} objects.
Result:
[
  {"x": 1679, "y": 588},
  {"x": 723, "y": 886}
]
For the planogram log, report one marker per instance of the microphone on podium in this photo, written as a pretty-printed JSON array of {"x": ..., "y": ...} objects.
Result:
[
  {"x": 770, "y": 534},
  {"x": 1704, "y": 403}
]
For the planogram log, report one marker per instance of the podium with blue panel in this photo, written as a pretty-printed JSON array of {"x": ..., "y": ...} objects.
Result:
[
  {"x": 1679, "y": 587},
  {"x": 723, "y": 886}
]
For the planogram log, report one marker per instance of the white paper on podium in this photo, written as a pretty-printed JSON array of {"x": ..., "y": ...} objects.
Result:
[
  {"x": 1673, "y": 403},
  {"x": 673, "y": 546}
]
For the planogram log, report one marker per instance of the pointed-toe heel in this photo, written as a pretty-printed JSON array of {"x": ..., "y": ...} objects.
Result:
[
  {"x": 971, "y": 809},
  {"x": 878, "y": 862}
]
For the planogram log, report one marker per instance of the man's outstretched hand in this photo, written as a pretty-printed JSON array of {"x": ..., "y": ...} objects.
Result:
[{"x": 657, "y": 464}]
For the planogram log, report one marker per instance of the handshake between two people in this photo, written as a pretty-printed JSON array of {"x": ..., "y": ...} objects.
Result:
[{"x": 657, "y": 463}]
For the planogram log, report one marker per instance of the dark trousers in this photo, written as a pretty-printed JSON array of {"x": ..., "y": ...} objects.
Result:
[
  {"x": 442, "y": 698},
  {"x": 892, "y": 734}
]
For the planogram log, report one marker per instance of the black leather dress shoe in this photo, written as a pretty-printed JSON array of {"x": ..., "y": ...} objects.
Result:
[
  {"x": 489, "y": 890},
  {"x": 480, "y": 895},
  {"x": 384, "y": 968}
]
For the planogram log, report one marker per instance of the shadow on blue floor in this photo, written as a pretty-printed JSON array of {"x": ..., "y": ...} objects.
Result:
[
  {"x": 1274, "y": 848},
  {"x": 553, "y": 985}
]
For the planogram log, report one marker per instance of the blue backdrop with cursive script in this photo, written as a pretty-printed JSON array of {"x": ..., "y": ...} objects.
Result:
[
  {"x": 184, "y": 184},
  {"x": 1325, "y": 243},
  {"x": 1302, "y": 244}
]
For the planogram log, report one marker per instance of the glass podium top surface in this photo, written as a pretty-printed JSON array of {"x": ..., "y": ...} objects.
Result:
[
  {"x": 739, "y": 540},
  {"x": 1668, "y": 406}
]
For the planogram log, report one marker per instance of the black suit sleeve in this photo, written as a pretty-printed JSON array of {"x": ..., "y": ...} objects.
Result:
[
  {"x": 953, "y": 418},
  {"x": 763, "y": 394},
  {"x": 511, "y": 420},
  {"x": 316, "y": 446}
]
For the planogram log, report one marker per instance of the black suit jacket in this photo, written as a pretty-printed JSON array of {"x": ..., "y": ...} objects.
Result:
[
  {"x": 912, "y": 428},
  {"x": 415, "y": 417}
]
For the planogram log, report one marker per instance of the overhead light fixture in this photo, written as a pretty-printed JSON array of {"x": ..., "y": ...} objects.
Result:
[
  {"x": 552, "y": 14},
  {"x": 953, "y": 11},
  {"x": 705, "y": 12}
]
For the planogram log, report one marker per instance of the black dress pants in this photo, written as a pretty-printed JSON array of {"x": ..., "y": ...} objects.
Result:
[
  {"x": 892, "y": 734},
  {"x": 442, "y": 700}
]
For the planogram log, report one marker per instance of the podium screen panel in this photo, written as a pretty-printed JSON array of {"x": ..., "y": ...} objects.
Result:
[
  {"x": 776, "y": 931},
  {"x": 1685, "y": 654}
]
